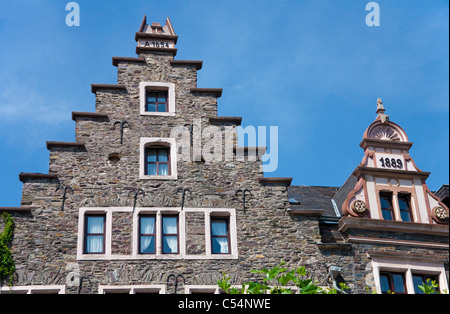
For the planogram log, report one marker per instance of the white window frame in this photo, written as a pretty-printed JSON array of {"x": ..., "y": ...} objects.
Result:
[
  {"x": 51, "y": 289},
  {"x": 148, "y": 142},
  {"x": 158, "y": 86},
  {"x": 207, "y": 289},
  {"x": 158, "y": 212},
  {"x": 81, "y": 255},
  {"x": 408, "y": 268},
  {"x": 231, "y": 215},
  {"x": 132, "y": 289}
]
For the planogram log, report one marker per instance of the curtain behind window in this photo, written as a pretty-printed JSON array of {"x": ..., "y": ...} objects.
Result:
[
  {"x": 170, "y": 234},
  {"x": 94, "y": 238}
]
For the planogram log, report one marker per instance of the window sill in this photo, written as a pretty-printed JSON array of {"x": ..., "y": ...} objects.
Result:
[
  {"x": 91, "y": 257},
  {"x": 171, "y": 177},
  {"x": 158, "y": 114}
]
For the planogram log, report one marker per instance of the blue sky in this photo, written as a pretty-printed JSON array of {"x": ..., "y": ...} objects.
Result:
[{"x": 311, "y": 67}]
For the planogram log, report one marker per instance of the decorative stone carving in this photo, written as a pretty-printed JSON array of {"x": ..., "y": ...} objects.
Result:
[
  {"x": 359, "y": 207},
  {"x": 440, "y": 213},
  {"x": 385, "y": 132}
]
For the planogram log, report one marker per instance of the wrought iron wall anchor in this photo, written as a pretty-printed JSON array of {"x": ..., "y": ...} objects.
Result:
[
  {"x": 64, "y": 188},
  {"x": 136, "y": 193},
  {"x": 183, "y": 195},
  {"x": 176, "y": 281},
  {"x": 122, "y": 125},
  {"x": 81, "y": 283},
  {"x": 191, "y": 131},
  {"x": 243, "y": 196}
]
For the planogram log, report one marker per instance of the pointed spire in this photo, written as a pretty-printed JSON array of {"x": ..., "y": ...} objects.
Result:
[{"x": 380, "y": 110}]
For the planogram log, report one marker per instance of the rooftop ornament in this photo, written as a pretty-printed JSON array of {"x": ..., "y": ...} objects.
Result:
[{"x": 380, "y": 110}]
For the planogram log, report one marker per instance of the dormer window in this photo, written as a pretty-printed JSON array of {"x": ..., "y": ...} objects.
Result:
[
  {"x": 157, "y": 99},
  {"x": 404, "y": 204},
  {"x": 386, "y": 206}
]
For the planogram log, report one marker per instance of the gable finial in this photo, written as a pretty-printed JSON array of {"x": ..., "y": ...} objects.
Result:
[{"x": 380, "y": 110}]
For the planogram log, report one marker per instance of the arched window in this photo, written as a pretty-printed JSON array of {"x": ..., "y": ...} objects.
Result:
[{"x": 158, "y": 158}]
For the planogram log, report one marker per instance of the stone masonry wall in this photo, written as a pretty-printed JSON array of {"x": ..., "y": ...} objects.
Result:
[{"x": 45, "y": 242}]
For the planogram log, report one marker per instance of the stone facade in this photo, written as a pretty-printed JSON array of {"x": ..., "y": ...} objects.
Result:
[{"x": 104, "y": 173}]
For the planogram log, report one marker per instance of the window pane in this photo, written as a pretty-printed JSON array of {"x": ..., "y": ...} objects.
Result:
[
  {"x": 147, "y": 225},
  {"x": 417, "y": 281},
  {"x": 163, "y": 155},
  {"x": 147, "y": 245},
  {"x": 151, "y": 97},
  {"x": 220, "y": 246},
  {"x": 163, "y": 170},
  {"x": 398, "y": 283},
  {"x": 170, "y": 225},
  {"x": 94, "y": 225},
  {"x": 162, "y": 97},
  {"x": 385, "y": 202},
  {"x": 403, "y": 203},
  {"x": 151, "y": 155},
  {"x": 387, "y": 215},
  {"x": 161, "y": 107},
  {"x": 94, "y": 244},
  {"x": 405, "y": 216},
  {"x": 170, "y": 244},
  {"x": 384, "y": 282},
  {"x": 151, "y": 107},
  {"x": 219, "y": 227},
  {"x": 151, "y": 170}
]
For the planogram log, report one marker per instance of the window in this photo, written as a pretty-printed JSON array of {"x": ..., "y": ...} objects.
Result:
[
  {"x": 156, "y": 101},
  {"x": 170, "y": 244},
  {"x": 420, "y": 279},
  {"x": 404, "y": 202},
  {"x": 207, "y": 289},
  {"x": 220, "y": 236},
  {"x": 133, "y": 289},
  {"x": 55, "y": 289},
  {"x": 94, "y": 242},
  {"x": 157, "y": 233},
  {"x": 147, "y": 234},
  {"x": 392, "y": 283},
  {"x": 158, "y": 158},
  {"x": 157, "y": 161},
  {"x": 386, "y": 206},
  {"x": 403, "y": 273}
]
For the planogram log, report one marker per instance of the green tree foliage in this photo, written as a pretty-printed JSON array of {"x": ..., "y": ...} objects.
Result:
[
  {"x": 7, "y": 266},
  {"x": 278, "y": 280}
]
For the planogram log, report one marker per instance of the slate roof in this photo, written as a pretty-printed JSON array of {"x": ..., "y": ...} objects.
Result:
[
  {"x": 343, "y": 191},
  {"x": 444, "y": 194},
  {"x": 313, "y": 197}
]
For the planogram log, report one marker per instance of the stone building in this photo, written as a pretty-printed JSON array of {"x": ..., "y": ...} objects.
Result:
[{"x": 154, "y": 196}]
